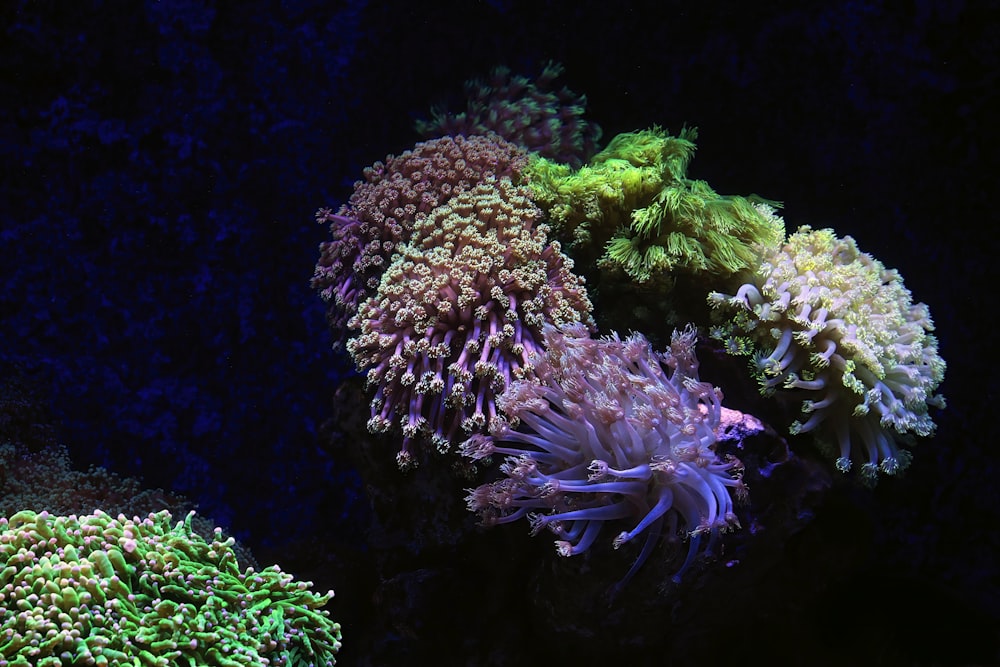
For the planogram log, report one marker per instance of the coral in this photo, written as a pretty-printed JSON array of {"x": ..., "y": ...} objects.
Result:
[
  {"x": 46, "y": 480},
  {"x": 112, "y": 591},
  {"x": 585, "y": 206},
  {"x": 530, "y": 114},
  {"x": 690, "y": 227},
  {"x": 338, "y": 276},
  {"x": 835, "y": 327},
  {"x": 392, "y": 197},
  {"x": 606, "y": 433},
  {"x": 459, "y": 312},
  {"x": 635, "y": 201}
]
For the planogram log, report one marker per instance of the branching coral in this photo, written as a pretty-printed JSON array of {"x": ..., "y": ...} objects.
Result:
[
  {"x": 458, "y": 313},
  {"x": 830, "y": 322},
  {"x": 113, "y": 591},
  {"x": 606, "y": 433},
  {"x": 385, "y": 205},
  {"x": 529, "y": 113}
]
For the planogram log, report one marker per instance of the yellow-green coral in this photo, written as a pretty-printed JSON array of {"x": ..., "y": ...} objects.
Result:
[
  {"x": 635, "y": 200},
  {"x": 585, "y": 206},
  {"x": 832, "y": 323},
  {"x": 688, "y": 226}
]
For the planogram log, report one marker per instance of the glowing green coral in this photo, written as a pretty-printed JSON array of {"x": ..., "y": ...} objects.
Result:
[
  {"x": 635, "y": 199},
  {"x": 585, "y": 206},
  {"x": 103, "y": 591},
  {"x": 689, "y": 226}
]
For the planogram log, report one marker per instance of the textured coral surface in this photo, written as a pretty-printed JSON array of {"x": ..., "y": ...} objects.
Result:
[
  {"x": 93, "y": 589},
  {"x": 161, "y": 165},
  {"x": 459, "y": 313},
  {"x": 838, "y": 330}
]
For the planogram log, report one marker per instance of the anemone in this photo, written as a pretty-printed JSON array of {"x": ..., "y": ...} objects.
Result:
[{"x": 610, "y": 431}]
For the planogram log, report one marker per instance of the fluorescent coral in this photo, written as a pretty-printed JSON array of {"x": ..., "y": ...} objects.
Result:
[
  {"x": 585, "y": 206},
  {"x": 459, "y": 311},
  {"x": 386, "y": 204},
  {"x": 529, "y": 113},
  {"x": 113, "y": 591},
  {"x": 446, "y": 275},
  {"x": 690, "y": 227},
  {"x": 636, "y": 201},
  {"x": 606, "y": 433},
  {"x": 831, "y": 323}
]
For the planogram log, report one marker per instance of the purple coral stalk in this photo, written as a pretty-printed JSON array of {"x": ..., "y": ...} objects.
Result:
[{"x": 459, "y": 313}]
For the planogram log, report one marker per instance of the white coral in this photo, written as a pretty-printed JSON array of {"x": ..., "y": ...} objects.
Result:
[{"x": 832, "y": 323}]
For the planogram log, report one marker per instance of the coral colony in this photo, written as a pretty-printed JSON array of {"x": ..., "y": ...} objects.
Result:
[
  {"x": 830, "y": 323},
  {"x": 450, "y": 275},
  {"x": 97, "y": 590},
  {"x": 457, "y": 314},
  {"x": 610, "y": 435}
]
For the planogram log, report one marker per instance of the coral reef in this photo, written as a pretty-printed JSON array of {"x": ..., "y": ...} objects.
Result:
[
  {"x": 604, "y": 433},
  {"x": 459, "y": 311},
  {"x": 100, "y": 590},
  {"x": 838, "y": 330},
  {"x": 528, "y": 113}
]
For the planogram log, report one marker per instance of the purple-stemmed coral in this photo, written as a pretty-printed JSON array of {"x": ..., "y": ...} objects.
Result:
[
  {"x": 391, "y": 198},
  {"x": 459, "y": 312},
  {"x": 608, "y": 430}
]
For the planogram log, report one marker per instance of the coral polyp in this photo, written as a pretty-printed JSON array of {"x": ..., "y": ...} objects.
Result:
[
  {"x": 833, "y": 326},
  {"x": 459, "y": 312},
  {"x": 611, "y": 431}
]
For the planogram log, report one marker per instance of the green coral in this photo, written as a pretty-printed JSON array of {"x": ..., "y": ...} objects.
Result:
[
  {"x": 636, "y": 202},
  {"x": 100, "y": 590},
  {"x": 585, "y": 206},
  {"x": 688, "y": 226}
]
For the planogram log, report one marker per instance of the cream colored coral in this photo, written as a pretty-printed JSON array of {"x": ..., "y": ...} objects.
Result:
[{"x": 832, "y": 323}]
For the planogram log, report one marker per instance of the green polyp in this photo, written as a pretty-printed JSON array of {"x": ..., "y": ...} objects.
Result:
[
  {"x": 635, "y": 203},
  {"x": 131, "y": 609}
]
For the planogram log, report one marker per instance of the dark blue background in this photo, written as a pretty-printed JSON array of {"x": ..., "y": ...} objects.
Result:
[{"x": 161, "y": 162}]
